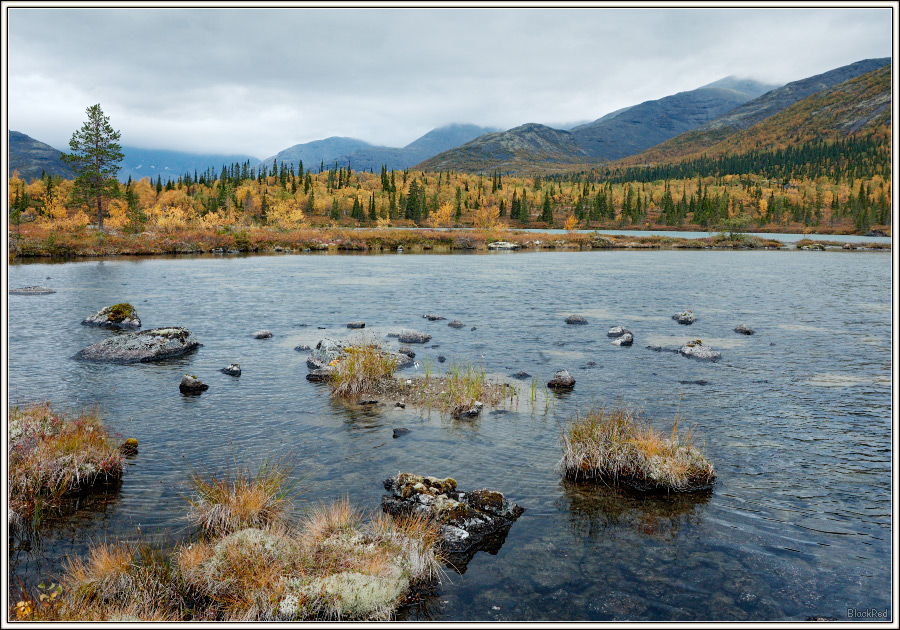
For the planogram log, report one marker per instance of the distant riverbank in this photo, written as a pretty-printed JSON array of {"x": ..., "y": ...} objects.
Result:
[{"x": 35, "y": 241}]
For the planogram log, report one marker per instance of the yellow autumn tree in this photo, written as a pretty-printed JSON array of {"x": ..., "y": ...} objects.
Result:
[
  {"x": 571, "y": 223},
  {"x": 443, "y": 216},
  {"x": 286, "y": 214}
]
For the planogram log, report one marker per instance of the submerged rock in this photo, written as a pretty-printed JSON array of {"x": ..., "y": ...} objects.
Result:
[
  {"x": 686, "y": 318},
  {"x": 521, "y": 375},
  {"x": 625, "y": 339},
  {"x": 469, "y": 521},
  {"x": 413, "y": 336},
  {"x": 190, "y": 384},
  {"x": 262, "y": 334},
  {"x": 400, "y": 432},
  {"x": 116, "y": 316},
  {"x": 456, "y": 324},
  {"x": 35, "y": 290},
  {"x": 576, "y": 320},
  {"x": 148, "y": 345},
  {"x": 129, "y": 447},
  {"x": 696, "y": 350},
  {"x": 433, "y": 318},
  {"x": 744, "y": 330},
  {"x": 616, "y": 331},
  {"x": 232, "y": 370},
  {"x": 356, "y": 324},
  {"x": 320, "y": 375},
  {"x": 561, "y": 380}
]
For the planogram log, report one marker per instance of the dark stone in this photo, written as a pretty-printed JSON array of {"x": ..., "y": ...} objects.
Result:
[
  {"x": 400, "y": 404},
  {"x": 874, "y": 233},
  {"x": 473, "y": 328},
  {"x": 137, "y": 347},
  {"x": 521, "y": 375},
  {"x": 433, "y": 318},
  {"x": 191, "y": 385},
  {"x": 232, "y": 370},
  {"x": 400, "y": 432},
  {"x": 467, "y": 412},
  {"x": 356, "y": 325},
  {"x": 407, "y": 351},
  {"x": 302, "y": 348},
  {"x": 320, "y": 375},
  {"x": 821, "y": 617},
  {"x": 576, "y": 320},
  {"x": 262, "y": 334},
  {"x": 700, "y": 382},
  {"x": 562, "y": 380},
  {"x": 441, "y": 358},
  {"x": 744, "y": 330},
  {"x": 367, "y": 402},
  {"x": 413, "y": 336},
  {"x": 456, "y": 324}
]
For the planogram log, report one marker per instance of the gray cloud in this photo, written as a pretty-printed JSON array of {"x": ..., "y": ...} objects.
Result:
[{"x": 258, "y": 80}]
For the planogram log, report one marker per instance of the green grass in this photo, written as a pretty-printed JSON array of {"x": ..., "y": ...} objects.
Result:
[{"x": 362, "y": 370}]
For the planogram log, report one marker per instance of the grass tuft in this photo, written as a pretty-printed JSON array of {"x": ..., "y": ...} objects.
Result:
[{"x": 362, "y": 370}]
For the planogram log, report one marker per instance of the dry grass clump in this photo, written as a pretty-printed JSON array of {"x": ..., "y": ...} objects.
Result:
[
  {"x": 362, "y": 370},
  {"x": 456, "y": 393},
  {"x": 615, "y": 444},
  {"x": 53, "y": 455},
  {"x": 338, "y": 563},
  {"x": 240, "y": 498}
]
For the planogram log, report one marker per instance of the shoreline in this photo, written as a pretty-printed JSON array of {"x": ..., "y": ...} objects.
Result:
[{"x": 40, "y": 243}]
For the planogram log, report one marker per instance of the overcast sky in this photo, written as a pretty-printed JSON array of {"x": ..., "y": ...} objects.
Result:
[{"x": 256, "y": 81}]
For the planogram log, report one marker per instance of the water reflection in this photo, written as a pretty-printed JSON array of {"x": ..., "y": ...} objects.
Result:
[{"x": 595, "y": 509}]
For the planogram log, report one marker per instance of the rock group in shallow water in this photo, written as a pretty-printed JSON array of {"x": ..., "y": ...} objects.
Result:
[
  {"x": 561, "y": 380},
  {"x": 116, "y": 316},
  {"x": 137, "y": 347},
  {"x": 469, "y": 521},
  {"x": 686, "y": 318}
]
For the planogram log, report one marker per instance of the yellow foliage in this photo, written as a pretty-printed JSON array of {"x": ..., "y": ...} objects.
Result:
[
  {"x": 118, "y": 214},
  {"x": 487, "y": 217},
  {"x": 170, "y": 218},
  {"x": 214, "y": 220},
  {"x": 54, "y": 209},
  {"x": 383, "y": 223},
  {"x": 286, "y": 214},
  {"x": 571, "y": 223},
  {"x": 443, "y": 217}
]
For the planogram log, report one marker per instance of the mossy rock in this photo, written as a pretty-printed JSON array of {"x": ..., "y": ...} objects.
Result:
[
  {"x": 122, "y": 315},
  {"x": 487, "y": 501},
  {"x": 119, "y": 312}
]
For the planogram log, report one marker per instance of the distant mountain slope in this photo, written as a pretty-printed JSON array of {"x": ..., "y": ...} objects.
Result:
[
  {"x": 30, "y": 157},
  {"x": 752, "y": 112},
  {"x": 167, "y": 165},
  {"x": 364, "y": 156},
  {"x": 511, "y": 150}
]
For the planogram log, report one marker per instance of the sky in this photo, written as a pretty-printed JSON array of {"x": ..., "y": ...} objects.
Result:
[{"x": 255, "y": 81}]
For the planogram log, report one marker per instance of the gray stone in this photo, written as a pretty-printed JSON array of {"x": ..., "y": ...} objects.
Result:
[
  {"x": 35, "y": 290},
  {"x": 433, "y": 318},
  {"x": 123, "y": 317},
  {"x": 744, "y": 330},
  {"x": 407, "y": 351},
  {"x": 616, "y": 331},
  {"x": 521, "y": 375},
  {"x": 696, "y": 350},
  {"x": 561, "y": 380},
  {"x": 686, "y": 318},
  {"x": 400, "y": 432},
  {"x": 468, "y": 412},
  {"x": 456, "y": 324},
  {"x": 190, "y": 384},
  {"x": 326, "y": 351},
  {"x": 302, "y": 348},
  {"x": 262, "y": 334},
  {"x": 232, "y": 370},
  {"x": 625, "y": 339},
  {"x": 148, "y": 345},
  {"x": 576, "y": 320},
  {"x": 503, "y": 245},
  {"x": 413, "y": 336}
]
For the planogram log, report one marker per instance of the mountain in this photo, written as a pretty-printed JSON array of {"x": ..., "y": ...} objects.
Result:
[
  {"x": 168, "y": 165},
  {"x": 511, "y": 150},
  {"x": 748, "y": 114},
  {"x": 364, "y": 156},
  {"x": 30, "y": 157},
  {"x": 642, "y": 126}
]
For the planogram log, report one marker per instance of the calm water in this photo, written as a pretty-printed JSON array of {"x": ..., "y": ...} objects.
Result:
[{"x": 796, "y": 418}]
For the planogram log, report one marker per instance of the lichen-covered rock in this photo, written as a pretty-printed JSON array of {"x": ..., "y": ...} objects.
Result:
[
  {"x": 616, "y": 331},
  {"x": 503, "y": 245},
  {"x": 686, "y": 318},
  {"x": 743, "y": 329},
  {"x": 433, "y": 318},
  {"x": 262, "y": 334},
  {"x": 561, "y": 380},
  {"x": 413, "y": 336},
  {"x": 129, "y": 447},
  {"x": 469, "y": 521},
  {"x": 356, "y": 324},
  {"x": 325, "y": 353},
  {"x": 576, "y": 320},
  {"x": 121, "y": 315},
  {"x": 190, "y": 384},
  {"x": 232, "y": 370},
  {"x": 696, "y": 350},
  {"x": 35, "y": 290},
  {"x": 626, "y": 339},
  {"x": 148, "y": 345},
  {"x": 456, "y": 324}
]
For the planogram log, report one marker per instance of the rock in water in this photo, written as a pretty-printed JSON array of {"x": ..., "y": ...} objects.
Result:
[
  {"x": 576, "y": 320},
  {"x": 616, "y": 331},
  {"x": 232, "y": 370},
  {"x": 35, "y": 290},
  {"x": 521, "y": 375},
  {"x": 696, "y": 350},
  {"x": 413, "y": 336},
  {"x": 687, "y": 318},
  {"x": 116, "y": 316},
  {"x": 129, "y": 447},
  {"x": 456, "y": 324},
  {"x": 148, "y": 345},
  {"x": 626, "y": 339},
  {"x": 469, "y": 521},
  {"x": 503, "y": 245},
  {"x": 744, "y": 330},
  {"x": 562, "y": 380},
  {"x": 356, "y": 325},
  {"x": 407, "y": 351},
  {"x": 433, "y": 318},
  {"x": 262, "y": 334},
  {"x": 190, "y": 384},
  {"x": 400, "y": 432},
  {"x": 326, "y": 352},
  {"x": 464, "y": 411}
]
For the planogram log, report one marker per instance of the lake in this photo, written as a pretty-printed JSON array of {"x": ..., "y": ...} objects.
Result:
[{"x": 796, "y": 418}]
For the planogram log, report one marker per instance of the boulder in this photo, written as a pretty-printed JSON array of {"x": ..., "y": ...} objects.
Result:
[
  {"x": 320, "y": 375},
  {"x": 576, "y": 320},
  {"x": 616, "y": 331},
  {"x": 190, "y": 384},
  {"x": 232, "y": 370},
  {"x": 686, "y": 318},
  {"x": 116, "y": 316},
  {"x": 407, "y": 351},
  {"x": 262, "y": 334},
  {"x": 456, "y": 324},
  {"x": 129, "y": 447},
  {"x": 356, "y": 325},
  {"x": 562, "y": 380},
  {"x": 326, "y": 352},
  {"x": 467, "y": 412},
  {"x": 503, "y": 245},
  {"x": 400, "y": 432},
  {"x": 413, "y": 336},
  {"x": 302, "y": 348},
  {"x": 148, "y": 345},
  {"x": 626, "y": 339},
  {"x": 468, "y": 521},
  {"x": 696, "y": 350},
  {"x": 35, "y": 290},
  {"x": 433, "y": 318},
  {"x": 744, "y": 330}
]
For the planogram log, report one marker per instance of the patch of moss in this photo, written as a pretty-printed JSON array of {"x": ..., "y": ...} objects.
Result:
[{"x": 120, "y": 312}]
